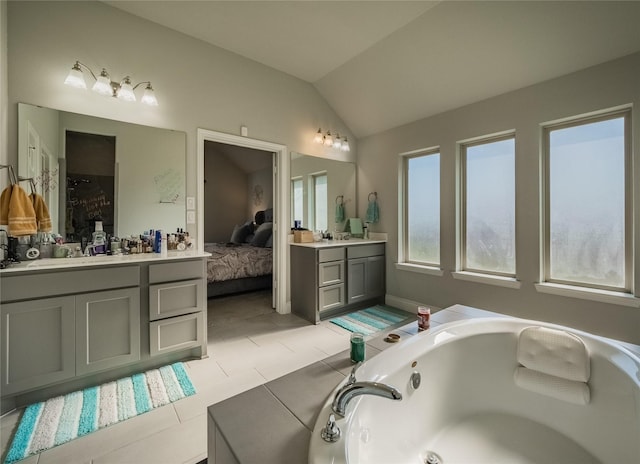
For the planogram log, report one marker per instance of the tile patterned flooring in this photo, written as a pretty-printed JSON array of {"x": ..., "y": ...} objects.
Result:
[{"x": 249, "y": 344}]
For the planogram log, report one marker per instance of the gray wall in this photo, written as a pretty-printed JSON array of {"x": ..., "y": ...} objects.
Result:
[
  {"x": 225, "y": 196},
  {"x": 197, "y": 85},
  {"x": 605, "y": 86}
]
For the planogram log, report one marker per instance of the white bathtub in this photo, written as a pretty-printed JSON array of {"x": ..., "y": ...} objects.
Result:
[{"x": 469, "y": 410}]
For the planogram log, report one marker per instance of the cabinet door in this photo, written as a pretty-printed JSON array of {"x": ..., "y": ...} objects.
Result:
[
  {"x": 38, "y": 343},
  {"x": 107, "y": 329},
  {"x": 375, "y": 276},
  {"x": 357, "y": 279}
]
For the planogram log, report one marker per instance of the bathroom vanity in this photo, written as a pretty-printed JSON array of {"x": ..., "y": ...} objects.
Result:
[
  {"x": 334, "y": 276},
  {"x": 73, "y": 322}
]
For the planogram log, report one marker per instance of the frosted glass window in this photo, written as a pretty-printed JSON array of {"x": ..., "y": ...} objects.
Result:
[
  {"x": 320, "y": 201},
  {"x": 587, "y": 206},
  {"x": 297, "y": 200},
  {"x": 489, "y": 207},
  {"x": 422, "y": 203}
]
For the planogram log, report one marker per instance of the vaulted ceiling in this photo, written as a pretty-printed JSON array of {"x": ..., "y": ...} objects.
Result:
[{"x": 381, "y": 64}]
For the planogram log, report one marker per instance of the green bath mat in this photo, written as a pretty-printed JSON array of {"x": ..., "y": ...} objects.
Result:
[
  {"x": 63, "y": 418},
  {"x": 371, "y": 320}
]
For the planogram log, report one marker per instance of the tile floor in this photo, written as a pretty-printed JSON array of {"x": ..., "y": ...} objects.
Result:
[{"x": 249, "y": 344}]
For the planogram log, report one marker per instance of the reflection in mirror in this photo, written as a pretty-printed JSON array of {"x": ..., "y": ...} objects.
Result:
[
  {"x": 323, "y": 192},
  {"x": 132, "y": 177}
]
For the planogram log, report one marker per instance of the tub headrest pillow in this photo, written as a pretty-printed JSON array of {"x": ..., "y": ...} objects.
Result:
[
  {"x": 554, "y": 363},
  {"x": 554, "y": 352},
  {"x": 550, "y": 385}
]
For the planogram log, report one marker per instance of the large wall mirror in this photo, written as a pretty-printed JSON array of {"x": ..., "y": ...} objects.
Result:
[
  {"x": 318, "y": 187},
  {"x": 129, "y": 176}
]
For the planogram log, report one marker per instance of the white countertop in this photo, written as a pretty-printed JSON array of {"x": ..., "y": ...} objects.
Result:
[
  {"x": 336, "y": 243},
  {"x": 101, "y": 260}
]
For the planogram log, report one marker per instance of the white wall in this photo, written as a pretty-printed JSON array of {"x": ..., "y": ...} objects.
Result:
[
  {"x": 197, "y": 85},
  {"x": 605, "y": 86}
]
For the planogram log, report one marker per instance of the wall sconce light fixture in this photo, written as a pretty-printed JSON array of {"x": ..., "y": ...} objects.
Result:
[
  {"x": 105, "y": 86},
  {"x": 329, "y": 141}
]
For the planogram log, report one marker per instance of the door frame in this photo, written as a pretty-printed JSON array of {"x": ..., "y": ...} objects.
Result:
[{"x": 280, "y": 202}]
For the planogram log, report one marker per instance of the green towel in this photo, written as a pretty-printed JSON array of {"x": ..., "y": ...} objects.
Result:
[
  {"x": 373, "y": 212},
  {"x": 354, "y": 227},
  {"x": 339, "y": 212}
]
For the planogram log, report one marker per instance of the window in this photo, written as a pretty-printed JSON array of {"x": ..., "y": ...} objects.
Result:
[
  {"x": 421, "y": 199},
  {"x": 320, "y": 201},
  {"x": 488, "y": 206},
  {"x": 587, "y": 205},
  {"x": 297, "y": 200}
]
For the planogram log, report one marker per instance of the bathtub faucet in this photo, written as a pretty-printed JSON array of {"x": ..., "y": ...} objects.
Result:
[{"x": 353, "y": 388}]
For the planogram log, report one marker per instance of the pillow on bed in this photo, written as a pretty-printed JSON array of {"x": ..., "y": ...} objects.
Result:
[
  {"x": 262, "y": 234},
  {"x": 269, "y": 243},
  {"x": 240, "y": 233}
]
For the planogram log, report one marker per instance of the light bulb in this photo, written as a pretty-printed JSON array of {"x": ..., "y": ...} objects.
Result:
[
  {"x": 76, "y": 77},
  {"x": 149, "y": 96},
  {"x": 318, "y": 137},
  {"x": 328, "y": 140},
  {"x": 125, "y": 92},
  {"x": 103, "y": 84},
  {"x": 337, "y": 143},
  {"x": 345, "y": 145}
]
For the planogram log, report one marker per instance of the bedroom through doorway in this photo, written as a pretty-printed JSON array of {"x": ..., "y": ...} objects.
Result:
[{"x": 238, "y": 219}]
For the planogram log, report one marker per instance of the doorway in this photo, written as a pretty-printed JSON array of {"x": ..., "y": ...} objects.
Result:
[{"x": 280, "y": 171}]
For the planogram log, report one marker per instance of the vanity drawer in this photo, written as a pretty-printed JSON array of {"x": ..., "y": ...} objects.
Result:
[
  {"x": 330, "y": 273},
  {"x": 175, "y": 298},
  {"x": 176, "y": 333},
  {"x": 330, "y": 254},
  {"x": 363, "y": 251},
  {"x": 331, "y": 297},
  {"x": 179, "y": 270},
  {"x": 39, "y": 285}
]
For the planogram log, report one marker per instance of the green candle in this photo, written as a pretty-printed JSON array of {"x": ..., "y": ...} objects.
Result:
[{"x": 357, "y": 347}]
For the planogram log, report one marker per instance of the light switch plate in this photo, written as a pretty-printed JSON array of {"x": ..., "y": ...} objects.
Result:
[
  {"x": 191, "y": 203},
  {"x": 191, "y": 217}
]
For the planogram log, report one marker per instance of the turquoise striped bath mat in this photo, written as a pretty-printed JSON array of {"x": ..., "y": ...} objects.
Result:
[
  {"x": 63, "y": 418},
  {"x": 372, "y": 320}
]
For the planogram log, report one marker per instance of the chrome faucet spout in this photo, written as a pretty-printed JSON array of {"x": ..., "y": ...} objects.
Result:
[{"x": 353, "y": 389}]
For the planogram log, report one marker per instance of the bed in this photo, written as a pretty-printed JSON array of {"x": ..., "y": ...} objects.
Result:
[{"x": 245, "y": 263}]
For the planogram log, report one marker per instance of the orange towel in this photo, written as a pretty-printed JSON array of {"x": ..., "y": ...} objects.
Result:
[
  {"x": 5, "y": 198},
  {"x": 22, "y": 217},
  {"x": 43, "y": 219}
]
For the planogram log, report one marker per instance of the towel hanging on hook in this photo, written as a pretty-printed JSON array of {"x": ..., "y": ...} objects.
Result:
[
  {"x": 339, "y": 216},
  {"x": 373, "y": 211}
]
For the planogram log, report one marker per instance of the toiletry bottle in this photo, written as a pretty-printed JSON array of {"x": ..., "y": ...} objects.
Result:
[{"x": 99, "y": 239}]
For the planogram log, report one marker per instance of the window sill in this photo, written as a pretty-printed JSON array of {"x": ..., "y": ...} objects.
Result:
[
  {"x": 420, "y": 269},
  {"x": 603, "y": 296},
  {"x": 500, "y": 281}
]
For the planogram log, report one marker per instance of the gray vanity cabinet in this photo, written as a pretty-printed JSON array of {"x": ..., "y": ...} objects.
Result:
[
  {"x": 59, "y": 326},
  {"x": 332, "y": 279},
  {"x": 107, "y": 329},
  {"x": 38, "y": 343}
]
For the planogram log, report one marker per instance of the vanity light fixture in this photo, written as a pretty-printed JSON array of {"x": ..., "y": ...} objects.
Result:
[
  {"x": 105, "y": 86},
  {"x": 329, "y": 141}
]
